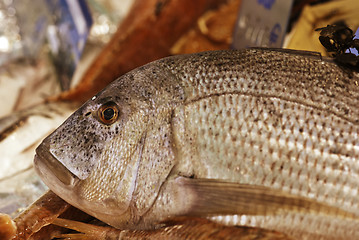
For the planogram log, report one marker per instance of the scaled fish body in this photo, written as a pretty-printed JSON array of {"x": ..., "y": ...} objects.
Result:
[{"x": 253, "y": 137}]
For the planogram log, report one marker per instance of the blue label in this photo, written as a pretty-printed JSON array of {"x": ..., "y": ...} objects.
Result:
[
  {"x": 266, "y": 3},
  {"x": 274, "y": 34}
]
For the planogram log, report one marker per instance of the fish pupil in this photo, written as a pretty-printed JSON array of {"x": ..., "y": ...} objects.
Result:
[{"x": 108, "y": 114}]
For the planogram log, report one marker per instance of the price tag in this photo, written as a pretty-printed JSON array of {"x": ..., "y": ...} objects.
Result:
[{"x": 262, "y": 23}]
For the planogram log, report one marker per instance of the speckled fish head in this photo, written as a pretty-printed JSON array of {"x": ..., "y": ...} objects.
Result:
[
  {"x": 91, "y": 160},
  {"x": 100, "y": 159}
]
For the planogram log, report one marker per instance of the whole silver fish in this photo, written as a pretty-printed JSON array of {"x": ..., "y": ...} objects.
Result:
[{"x": 256, "y": 137}]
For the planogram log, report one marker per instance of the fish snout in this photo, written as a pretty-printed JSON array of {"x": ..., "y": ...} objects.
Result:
[{"x": 51, "y": 169}]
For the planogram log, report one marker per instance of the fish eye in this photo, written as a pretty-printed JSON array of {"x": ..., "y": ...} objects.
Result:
[{"x": 108, "y": 113}]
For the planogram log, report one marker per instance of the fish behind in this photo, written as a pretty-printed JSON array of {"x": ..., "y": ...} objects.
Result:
[{"x": 256, "y": 137}]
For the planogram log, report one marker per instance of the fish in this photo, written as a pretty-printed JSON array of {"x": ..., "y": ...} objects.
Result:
[{"x": 255, "y": 137}]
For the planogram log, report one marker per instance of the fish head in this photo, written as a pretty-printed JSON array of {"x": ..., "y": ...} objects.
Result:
[
  {"x": 95, "y": 152},
  {"x": 92, "y": 159}
]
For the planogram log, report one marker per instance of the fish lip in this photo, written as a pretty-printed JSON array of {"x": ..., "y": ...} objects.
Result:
[{"x": 45, "y": 164}]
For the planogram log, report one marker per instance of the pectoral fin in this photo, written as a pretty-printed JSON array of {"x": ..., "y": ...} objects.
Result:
[{"x": 212, "y": 197}]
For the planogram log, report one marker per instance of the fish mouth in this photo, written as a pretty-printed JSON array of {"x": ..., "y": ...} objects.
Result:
[{"x": 48, "y": 167}]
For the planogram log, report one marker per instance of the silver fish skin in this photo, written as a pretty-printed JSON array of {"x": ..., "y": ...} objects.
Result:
[{"x": 256, "y": 137}]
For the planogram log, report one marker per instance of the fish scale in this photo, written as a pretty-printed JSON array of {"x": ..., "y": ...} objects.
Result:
[
  {"x": 293, "y": 141},
  {"x": 308, "y": 80},
  {"x": 283, "y": 166},
  {"x": 283, "y": 155},
  {"x": 259, "y": 137}
]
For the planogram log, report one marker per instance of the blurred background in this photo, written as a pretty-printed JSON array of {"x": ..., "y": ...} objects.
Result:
[{"x": 55, "y": 54}]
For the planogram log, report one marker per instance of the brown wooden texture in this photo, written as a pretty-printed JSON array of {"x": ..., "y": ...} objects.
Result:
[{"x": 147, "y": 34}]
